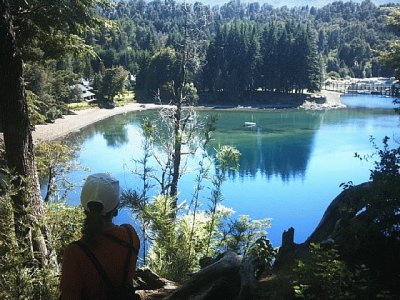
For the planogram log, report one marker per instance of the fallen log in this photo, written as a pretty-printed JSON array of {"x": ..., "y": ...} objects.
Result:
[
  {"x": 145, "y": 279},
  {"x": 343, "y": 208},
  {"x": 151, "y": 286},
  {"x": 219, "y": 280},
  {"x": 248, "y": 282}
]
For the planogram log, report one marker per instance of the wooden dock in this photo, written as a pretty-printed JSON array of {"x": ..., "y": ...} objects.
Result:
[{"x": 363, "y": 88}]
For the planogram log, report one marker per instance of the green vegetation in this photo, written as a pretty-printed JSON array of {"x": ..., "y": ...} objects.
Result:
[
  {"x": 79, "y": 106},
  {"x": 360, "y": 264},
  {"x": 240, "y": 49},
  {"x": 22, "y": 276},
  {"x": 238, "y": 45},
  {"x": 180, "y": 234},
  {"x": 112, "y": 83},
  {"x": 124, "y": 98},
  {"x": 392, "y": 55},
  {"x": 326, "y": 276},
  {"x": 278, "y": 57},
  {"x": 34, "y": 32},
  {"x": 233, "y": 51},
  {"x": 53, "y": 161}
]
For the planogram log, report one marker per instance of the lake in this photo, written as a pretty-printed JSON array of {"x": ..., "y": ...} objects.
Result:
[{"x": 292, "y": 162}]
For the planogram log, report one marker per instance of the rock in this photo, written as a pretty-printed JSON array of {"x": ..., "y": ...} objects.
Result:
[{"x": 146, "y": 279}]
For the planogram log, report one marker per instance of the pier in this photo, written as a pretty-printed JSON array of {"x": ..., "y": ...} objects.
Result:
[{"x": 372, "y": 86}]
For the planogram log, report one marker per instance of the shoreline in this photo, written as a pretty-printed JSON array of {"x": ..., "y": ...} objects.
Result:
[
  {"x": 332, "y": 101},
  {"x": 79, "y": 119},
  {"x": 83, "y": 118}
]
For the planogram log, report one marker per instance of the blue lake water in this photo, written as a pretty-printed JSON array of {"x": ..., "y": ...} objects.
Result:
[{"x": 292, "y": 163}]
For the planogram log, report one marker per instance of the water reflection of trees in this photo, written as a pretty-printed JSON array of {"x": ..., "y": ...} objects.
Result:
[
  {"x": 280, "y": 145},
  {"x": 114, "y": 131},
  {"x": 279, "y": 157}
]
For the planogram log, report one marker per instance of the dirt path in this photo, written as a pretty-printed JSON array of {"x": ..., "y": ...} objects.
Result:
[{"x": 332, "y": 98}]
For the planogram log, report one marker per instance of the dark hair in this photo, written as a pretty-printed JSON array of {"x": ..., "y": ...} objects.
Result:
[{"x": 94, "y": 223}]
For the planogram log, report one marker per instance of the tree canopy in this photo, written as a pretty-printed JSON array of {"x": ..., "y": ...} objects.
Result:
[
  {"x": 33, "y": 31},
  {"x": 238, "y": 48}
]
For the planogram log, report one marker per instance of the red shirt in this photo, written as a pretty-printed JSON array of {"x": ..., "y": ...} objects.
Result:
[{"x": 80, "y": 278}]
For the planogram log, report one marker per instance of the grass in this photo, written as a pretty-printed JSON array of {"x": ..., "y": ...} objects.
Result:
[
  {"x": 79, "y": 105},
  {"x": 124, "y": 98},
  {"x": 119, "y": 100}
]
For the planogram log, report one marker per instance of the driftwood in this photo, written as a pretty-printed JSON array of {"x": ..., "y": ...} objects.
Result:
[
  {"x": 248, "y": 282},
  {"x": 342, "y": 211},
  {"x": 145, "y": 279},
  {"x": 343, "y": 208},
  {"x": 288, "y": 240},
  {"x": 151, "y": 286},
  {"x": 231, "y": 277}
]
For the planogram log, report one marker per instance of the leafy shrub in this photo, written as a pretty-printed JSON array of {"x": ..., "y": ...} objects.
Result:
[
  {"x": 64, "y": 222},
  {"x": 175, "y": 252},
  {"x": 54, "y": 159},
  {"x": 249, "y": 237},
  {"x": 325, "y": 276},
  {"x": 21, "y": 277}
]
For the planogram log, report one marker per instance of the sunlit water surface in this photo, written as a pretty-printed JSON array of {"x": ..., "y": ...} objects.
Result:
[{"x": 292, "y": 162}]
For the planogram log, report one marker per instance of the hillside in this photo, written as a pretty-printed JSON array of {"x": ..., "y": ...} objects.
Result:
[{"x": 293, "y": 3}]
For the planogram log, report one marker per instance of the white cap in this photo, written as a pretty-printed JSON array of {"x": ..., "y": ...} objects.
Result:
[{"x": 102, "y": 188}]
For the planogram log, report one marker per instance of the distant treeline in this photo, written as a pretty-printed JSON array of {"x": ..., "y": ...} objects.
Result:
[
  {"x": 276, "y": 57},
  {"x": 240, "y": 46},
  {"x": 236, "y": 48}
]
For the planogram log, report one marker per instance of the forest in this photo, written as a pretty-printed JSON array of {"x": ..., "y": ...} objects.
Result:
[
  {"x": 237, "y": 49},
  {"x": 179, "y": 53}
]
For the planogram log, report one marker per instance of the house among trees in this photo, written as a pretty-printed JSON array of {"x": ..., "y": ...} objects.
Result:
[{"x": 82, "y": 91}]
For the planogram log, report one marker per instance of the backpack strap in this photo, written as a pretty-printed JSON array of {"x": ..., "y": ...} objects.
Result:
[
  {"x": 96, "y": 263},
  {"x": 128, "y": 256},
  {"x": 122, "y": 242},
  {"x": 117, "y": 240}
]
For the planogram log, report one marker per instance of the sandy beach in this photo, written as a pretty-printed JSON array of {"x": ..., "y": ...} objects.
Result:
[{"x": 81, "y": 119}]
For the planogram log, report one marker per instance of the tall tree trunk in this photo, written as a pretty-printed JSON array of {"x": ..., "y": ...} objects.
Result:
[
  {"x": 28, "y": 206},
  {"x": 178, "y": 95},
  {"x": 177, "y": 151}
]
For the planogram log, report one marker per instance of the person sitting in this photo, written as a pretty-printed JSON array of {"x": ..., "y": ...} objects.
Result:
[{"x": 101, "y": 265}]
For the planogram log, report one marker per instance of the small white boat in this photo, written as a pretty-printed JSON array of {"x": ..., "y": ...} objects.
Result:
[{"x": 249, "y": 124}]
